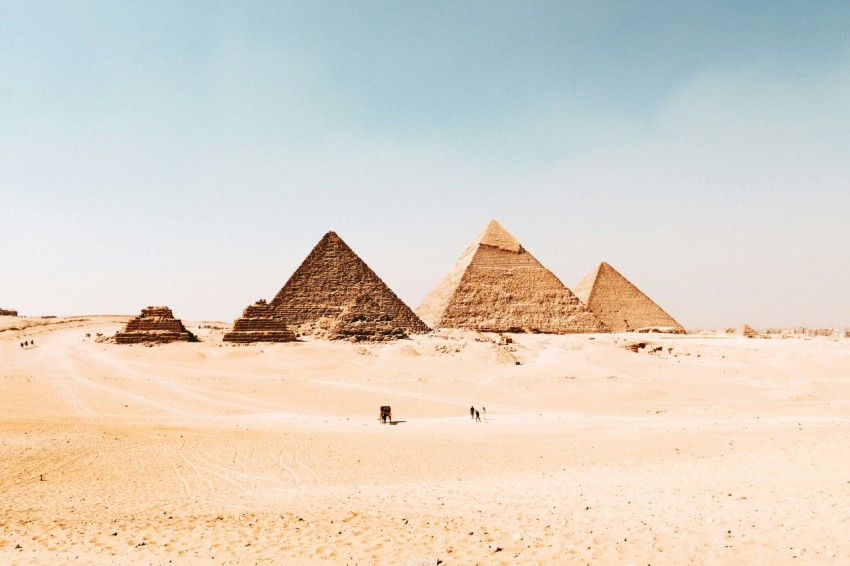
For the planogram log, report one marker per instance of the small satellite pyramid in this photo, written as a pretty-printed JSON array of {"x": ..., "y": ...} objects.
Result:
[
  {"x": 621, "y": 305},
  {"x": 497, "y": 286},
  {"x": 334, "y": 294},
  {"x": 259, "y": 322},
  {"x": 154, "y": 325}
]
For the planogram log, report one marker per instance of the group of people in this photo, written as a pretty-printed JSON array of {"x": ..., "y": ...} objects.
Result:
[
  {"x": 27, "y": 343},
  {"x": 475, "y": 415}
]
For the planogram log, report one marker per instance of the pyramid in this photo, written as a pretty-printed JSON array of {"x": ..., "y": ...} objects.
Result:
[
  {"x": 747, "y": 331},
  {"x": 334, "y": 294},
  {"x": 155, "y": 324},
  {"x": 621, "y": 305},
  {"x": 259, "y": 322},
  {"x": 497, "y": 286}
]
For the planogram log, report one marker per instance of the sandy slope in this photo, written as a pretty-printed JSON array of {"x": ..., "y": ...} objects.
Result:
[{"x": 723, "y": 450}]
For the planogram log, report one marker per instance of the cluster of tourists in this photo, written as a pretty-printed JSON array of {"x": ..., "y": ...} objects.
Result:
[{"x": 475, "y": 415}]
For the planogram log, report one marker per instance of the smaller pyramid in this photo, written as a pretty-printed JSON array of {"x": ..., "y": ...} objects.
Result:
[
  {"x": 154, "y": 325},
  {"x": 747, "y": 331},
  {"x": 364, "y": 319},
  {"x": 498, "y": 286},
  {"x": 259, "y": 322},
  {"x": 334, "y": 294},
  {"x": 620, "y": 305}
]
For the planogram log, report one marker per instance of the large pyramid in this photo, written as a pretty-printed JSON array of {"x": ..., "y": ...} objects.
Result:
[
  {"x": 497, "y": 286},
  {"x": 334, "y": 294},
  {"x": 621, "y": 305}
]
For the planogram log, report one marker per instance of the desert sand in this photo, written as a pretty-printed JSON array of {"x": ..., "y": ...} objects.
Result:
[{"x": 711, "y": 450}]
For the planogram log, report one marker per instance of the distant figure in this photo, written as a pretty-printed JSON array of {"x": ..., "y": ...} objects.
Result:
[
  {"x": 484, "y": 410},
  {"x": 477, "y": 416},
  {"x": 472, "y": 412},
  {"x": 22, "y": 344}
]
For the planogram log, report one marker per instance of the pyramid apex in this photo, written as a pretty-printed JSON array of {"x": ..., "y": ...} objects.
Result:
[{"x": 496, "y": 236}]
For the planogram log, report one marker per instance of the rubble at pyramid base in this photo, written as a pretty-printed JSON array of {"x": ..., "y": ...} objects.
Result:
[
  {"x": 660, "y": 330},
  {"x": 153, "y": 336}
]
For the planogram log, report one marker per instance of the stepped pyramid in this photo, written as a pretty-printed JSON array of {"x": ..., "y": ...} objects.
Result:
[
  {"x": 621, "y": 305},
  {"x": 259, "y": 322},
  {"x": 334, "y": 294},
  {"x": 497, "y": 286},
  {"x": 155, "y": 324}
]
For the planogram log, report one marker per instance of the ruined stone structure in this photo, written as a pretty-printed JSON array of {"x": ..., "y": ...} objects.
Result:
[
  {"x": 260, "y": 322},
  {"x": 154, "y": 325},
  {"x": 7, "y": 312},
  {"x": 497, "y": 286},
  {"x": 747, "y": 331},
  {"x": 334, "y": 294},
  {"x": 621, "y": 305}
]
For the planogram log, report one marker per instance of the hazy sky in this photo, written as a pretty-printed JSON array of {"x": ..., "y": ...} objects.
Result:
[{"x": 192, "y": 153}]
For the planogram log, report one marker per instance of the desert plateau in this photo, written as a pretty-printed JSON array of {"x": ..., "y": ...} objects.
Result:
[{"x": 613, "y": 448}]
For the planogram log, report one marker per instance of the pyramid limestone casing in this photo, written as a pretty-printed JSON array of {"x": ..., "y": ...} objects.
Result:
[
  {"x": 619, "y": 304},
  {"x": 334, "y": 294},
  {"x": 497, "y": 286},
  {"x": 260, "y": 322},
  {"x": 155, "y": 324}
]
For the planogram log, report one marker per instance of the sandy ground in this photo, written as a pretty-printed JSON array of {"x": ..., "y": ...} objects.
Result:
[{"x": 713, "y": 450}]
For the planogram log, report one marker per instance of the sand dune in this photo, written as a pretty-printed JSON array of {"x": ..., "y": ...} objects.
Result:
[{"x": 711, "y": 450}]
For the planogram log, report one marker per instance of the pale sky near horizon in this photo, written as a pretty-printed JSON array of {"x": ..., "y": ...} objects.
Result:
[{"x": 192, "y": 153}]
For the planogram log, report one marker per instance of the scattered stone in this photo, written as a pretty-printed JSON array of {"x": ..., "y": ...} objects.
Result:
[{"x": 635, "y": 346}]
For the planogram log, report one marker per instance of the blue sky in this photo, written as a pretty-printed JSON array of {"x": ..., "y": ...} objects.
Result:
[{"x": 191, "y": 154}]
